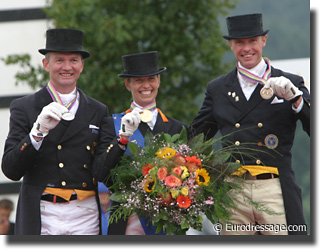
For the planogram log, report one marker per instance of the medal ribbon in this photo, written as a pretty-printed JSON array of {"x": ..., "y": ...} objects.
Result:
[
  {"x": 56, "y": 98},
  {"x": 152, "y": 106},
  {"x": 248, "y": 75}
]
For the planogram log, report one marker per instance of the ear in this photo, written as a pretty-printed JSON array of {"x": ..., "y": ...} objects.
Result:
[
  {"x": 45, "y": 64},
  {"x": 230, "y": 44},
  {"x": 127, "y": 83},
  {"x": 82, "y": 61},
  {"x": 264, "y": 40}
]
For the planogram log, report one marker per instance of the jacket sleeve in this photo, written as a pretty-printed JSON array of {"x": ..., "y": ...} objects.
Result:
[
  {"x": 204, "y": 121},
  {"x": 108, "y": 151},
  {"x": 304, "y": 114},
  {"x": 19, "y": 154}
]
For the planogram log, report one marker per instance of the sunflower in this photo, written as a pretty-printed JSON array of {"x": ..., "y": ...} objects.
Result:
[
  {"x": 183, "y": 201},
  {"x": 202, "y": 177},
  {"x": 148, "y": 184},
  {"x": 166, "y": 153}
]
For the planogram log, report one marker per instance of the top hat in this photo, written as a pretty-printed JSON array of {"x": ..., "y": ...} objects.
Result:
[
  {"x": 245, "y": 26},
  {"x": 142, "y": 64},
  {"x": 64, "y": 40}
]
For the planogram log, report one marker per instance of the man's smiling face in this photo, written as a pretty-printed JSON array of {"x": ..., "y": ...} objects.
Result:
[
  {"x": 248, "y": 51},
  {"x": 64, "y": 69}
]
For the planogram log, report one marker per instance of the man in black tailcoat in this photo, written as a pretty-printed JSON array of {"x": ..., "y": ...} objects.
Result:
[
  {"x": 256, "y": 107},
  {"x": 51, "y": 143}
]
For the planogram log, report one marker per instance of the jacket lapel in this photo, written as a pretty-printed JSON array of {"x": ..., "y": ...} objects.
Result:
[
  {"x": 44, "y": 97},
  {"x": 159, "y": 127},
  {"x": 234, "y": 92}
]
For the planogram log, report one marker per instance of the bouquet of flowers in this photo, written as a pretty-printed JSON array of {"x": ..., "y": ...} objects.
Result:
[{"x": 173, "y": 181}]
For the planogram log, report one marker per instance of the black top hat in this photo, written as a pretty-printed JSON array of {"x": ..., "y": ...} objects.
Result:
[
  {"x": 245, "y": 26},
  {"x": 142, "y": 64},
  {"x": 64, "y": 40}
]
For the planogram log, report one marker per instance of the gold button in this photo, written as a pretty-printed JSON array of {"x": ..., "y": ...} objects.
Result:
[
  {"x": 258, "y": 162},
  {"x": 59, "y": 147},
  {"x": 84, "y": 184},
  {"x": 237, "y": 161},
  {"x": 237, "y": 125},
  {"x": 61, "y": 165},
  {"x": 85, "y": 166},
  {"x": 88, "y": 147},
  {"x": 63, "y": 183},
  {"x": 237, "y": 143},
  {"x": 260, "y": 125}
]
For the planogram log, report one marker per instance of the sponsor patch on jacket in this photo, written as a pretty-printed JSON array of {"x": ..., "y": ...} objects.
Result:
[{"x": 271, "y": 141}]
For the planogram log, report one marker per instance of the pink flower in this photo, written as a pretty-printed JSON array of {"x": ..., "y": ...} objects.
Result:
[
  {"x": 177, "y": 171},
  {"x": 209, "y": 202},
  {"x": 172, "y": 181},
  {"x": 162, "y": 173}
]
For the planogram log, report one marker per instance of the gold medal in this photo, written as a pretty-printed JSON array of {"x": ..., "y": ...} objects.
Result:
[
  {"x": 266, "y": 93},
  {"x": 146, "y": 116},
  {"x": 67, "y": 116}
]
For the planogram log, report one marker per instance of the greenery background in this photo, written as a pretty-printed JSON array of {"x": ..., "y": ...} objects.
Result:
[{"x": 188, "y": 36}]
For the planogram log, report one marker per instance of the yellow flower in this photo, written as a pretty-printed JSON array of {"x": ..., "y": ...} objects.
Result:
[
  {"x": 166, "y": 153},
  {"x": 174, "y": 193},
  {"x": 185, "y": 191},
  {"x": 185, "y": 172},
  {"x": 202, "y": 177},
  {"x": 148, "y": 184}
]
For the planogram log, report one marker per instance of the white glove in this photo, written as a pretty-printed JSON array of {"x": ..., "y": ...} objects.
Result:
[
  {"x": 48, "y": 119},
  {"x": 283, "y": 87},
  {"x": 130, "y": 122}
]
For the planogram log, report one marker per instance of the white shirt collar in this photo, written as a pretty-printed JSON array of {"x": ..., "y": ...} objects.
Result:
[{"x": 67, "y": 98}]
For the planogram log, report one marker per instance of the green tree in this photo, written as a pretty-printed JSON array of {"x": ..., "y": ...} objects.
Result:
[{"x": 185, "y": 33}]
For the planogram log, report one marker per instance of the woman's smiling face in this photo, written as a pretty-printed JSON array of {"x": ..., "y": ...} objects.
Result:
[{"x": 144, "y": 90}]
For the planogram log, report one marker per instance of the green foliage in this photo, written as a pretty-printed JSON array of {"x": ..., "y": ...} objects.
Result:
[
  {"x": 32, "y": 76},
  {"x": 187, "y": 36}
]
